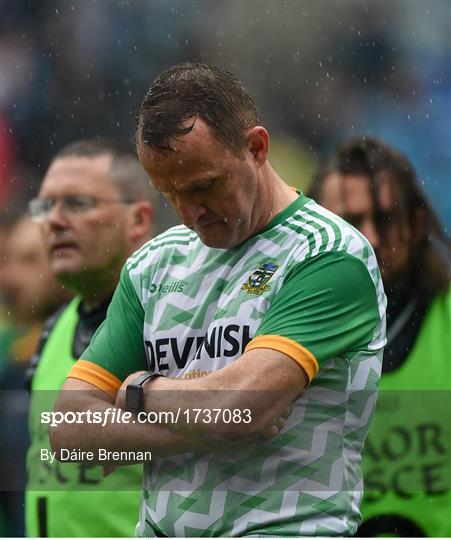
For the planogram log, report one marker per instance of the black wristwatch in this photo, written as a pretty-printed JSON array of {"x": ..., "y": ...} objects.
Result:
[{"x": 134, "y": 395}]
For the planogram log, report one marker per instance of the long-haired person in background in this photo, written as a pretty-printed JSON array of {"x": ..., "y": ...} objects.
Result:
[{"x": 407, "y": 453}]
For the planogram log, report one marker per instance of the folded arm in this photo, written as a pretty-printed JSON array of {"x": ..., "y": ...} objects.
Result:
[
  {"x": 81, "y": 396},
  {"x": 238, "y": 386},
  {"x": 240, "y": 401}
]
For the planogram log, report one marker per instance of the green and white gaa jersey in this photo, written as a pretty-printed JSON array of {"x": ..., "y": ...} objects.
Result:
[{"x": 307, "y": 285}]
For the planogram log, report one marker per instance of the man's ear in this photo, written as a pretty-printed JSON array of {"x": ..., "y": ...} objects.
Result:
[
  {"x": 258, "y": 144},
  {"x": 141, "y": 223}
]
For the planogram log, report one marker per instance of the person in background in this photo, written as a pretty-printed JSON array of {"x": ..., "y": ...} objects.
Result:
[
  {"x": 407, "y": 454},
  {"x": 29, "y": 294},
  {"x": 234, "y": 299},
  {"x": 94, "y": 208}
]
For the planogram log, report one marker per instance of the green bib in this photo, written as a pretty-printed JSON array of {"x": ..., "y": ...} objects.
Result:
[
  {"x": 72, "y": 499},
  {"x": 407, "y": 460}
]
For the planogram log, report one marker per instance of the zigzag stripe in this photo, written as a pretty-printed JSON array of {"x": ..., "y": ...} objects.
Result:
[{"x": 174, "y": 232}]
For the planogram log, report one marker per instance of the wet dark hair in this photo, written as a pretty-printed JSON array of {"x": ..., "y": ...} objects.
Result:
[
  {"x": 125, "y": 171},
  {"x": 189, "y": 91},
  {"x": 372, "y": 158}
]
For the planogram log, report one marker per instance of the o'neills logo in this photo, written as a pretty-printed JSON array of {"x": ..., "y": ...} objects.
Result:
[{"x": 162, "y": 288}]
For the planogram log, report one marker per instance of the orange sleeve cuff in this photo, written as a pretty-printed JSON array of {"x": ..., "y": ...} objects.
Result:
[
  {"x": 96, "y": 375},
  {"x": 293, "y": 349}
]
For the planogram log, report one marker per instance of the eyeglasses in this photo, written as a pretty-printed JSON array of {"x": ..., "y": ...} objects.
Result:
[{"x": 70, "y": 204}]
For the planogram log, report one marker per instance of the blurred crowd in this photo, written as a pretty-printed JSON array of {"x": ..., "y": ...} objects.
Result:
[{"x": 320, "y": 72}]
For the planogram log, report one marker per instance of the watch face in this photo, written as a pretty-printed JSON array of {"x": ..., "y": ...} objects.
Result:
[{"x": 132, "y": 398}]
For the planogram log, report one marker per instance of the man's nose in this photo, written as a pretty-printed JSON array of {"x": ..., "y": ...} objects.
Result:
[
  {"x": 369, "y": 230},
  {"x": 189, "y": 210}
]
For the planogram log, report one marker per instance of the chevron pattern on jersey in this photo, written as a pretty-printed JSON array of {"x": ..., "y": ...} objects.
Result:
[
  {"x": 265, "y": 473},
  {"x": 307, "y": 481}
]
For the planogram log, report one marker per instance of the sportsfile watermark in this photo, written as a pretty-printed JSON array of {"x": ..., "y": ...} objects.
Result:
[
  {"x": 113, "y": 415},
  {"x": 406, "y": 451}
]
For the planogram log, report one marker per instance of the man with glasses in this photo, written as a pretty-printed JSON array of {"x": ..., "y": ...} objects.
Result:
[{"x": 94, "y": 209}]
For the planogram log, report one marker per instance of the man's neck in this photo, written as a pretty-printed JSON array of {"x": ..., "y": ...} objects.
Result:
[
  {"x": 277, "y": 194},
  {"x": 93, "y": 287}
]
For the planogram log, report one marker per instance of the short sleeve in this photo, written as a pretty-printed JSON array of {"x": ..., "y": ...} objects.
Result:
[
  {"x": 326, "y": 307},
  {"x": 116, "y": 349}
]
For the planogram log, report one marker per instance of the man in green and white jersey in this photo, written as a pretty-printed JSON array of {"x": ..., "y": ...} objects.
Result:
[{"x": 261, "y": 301}]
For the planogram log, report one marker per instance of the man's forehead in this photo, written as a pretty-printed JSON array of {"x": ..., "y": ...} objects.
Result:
[
  {"x": 195, "y": 145},
  {"x": 338, "y": 194},
  {"x": 185, "y": 181},
  {"x": 70, "y": 163},
  {"x": 361, "y": 189},
  {"x": 187, "y": 166},
  {"x": 389, "y": 194},
  {"x": 75, "y": 172},
  {"x": 353, "y": 192}
]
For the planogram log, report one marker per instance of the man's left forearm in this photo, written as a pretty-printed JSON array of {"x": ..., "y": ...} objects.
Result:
[{"x": 233, "y": 403}]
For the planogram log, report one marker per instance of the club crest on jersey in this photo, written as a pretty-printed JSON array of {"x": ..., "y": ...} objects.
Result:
[{"x": 257, "y": 281}]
